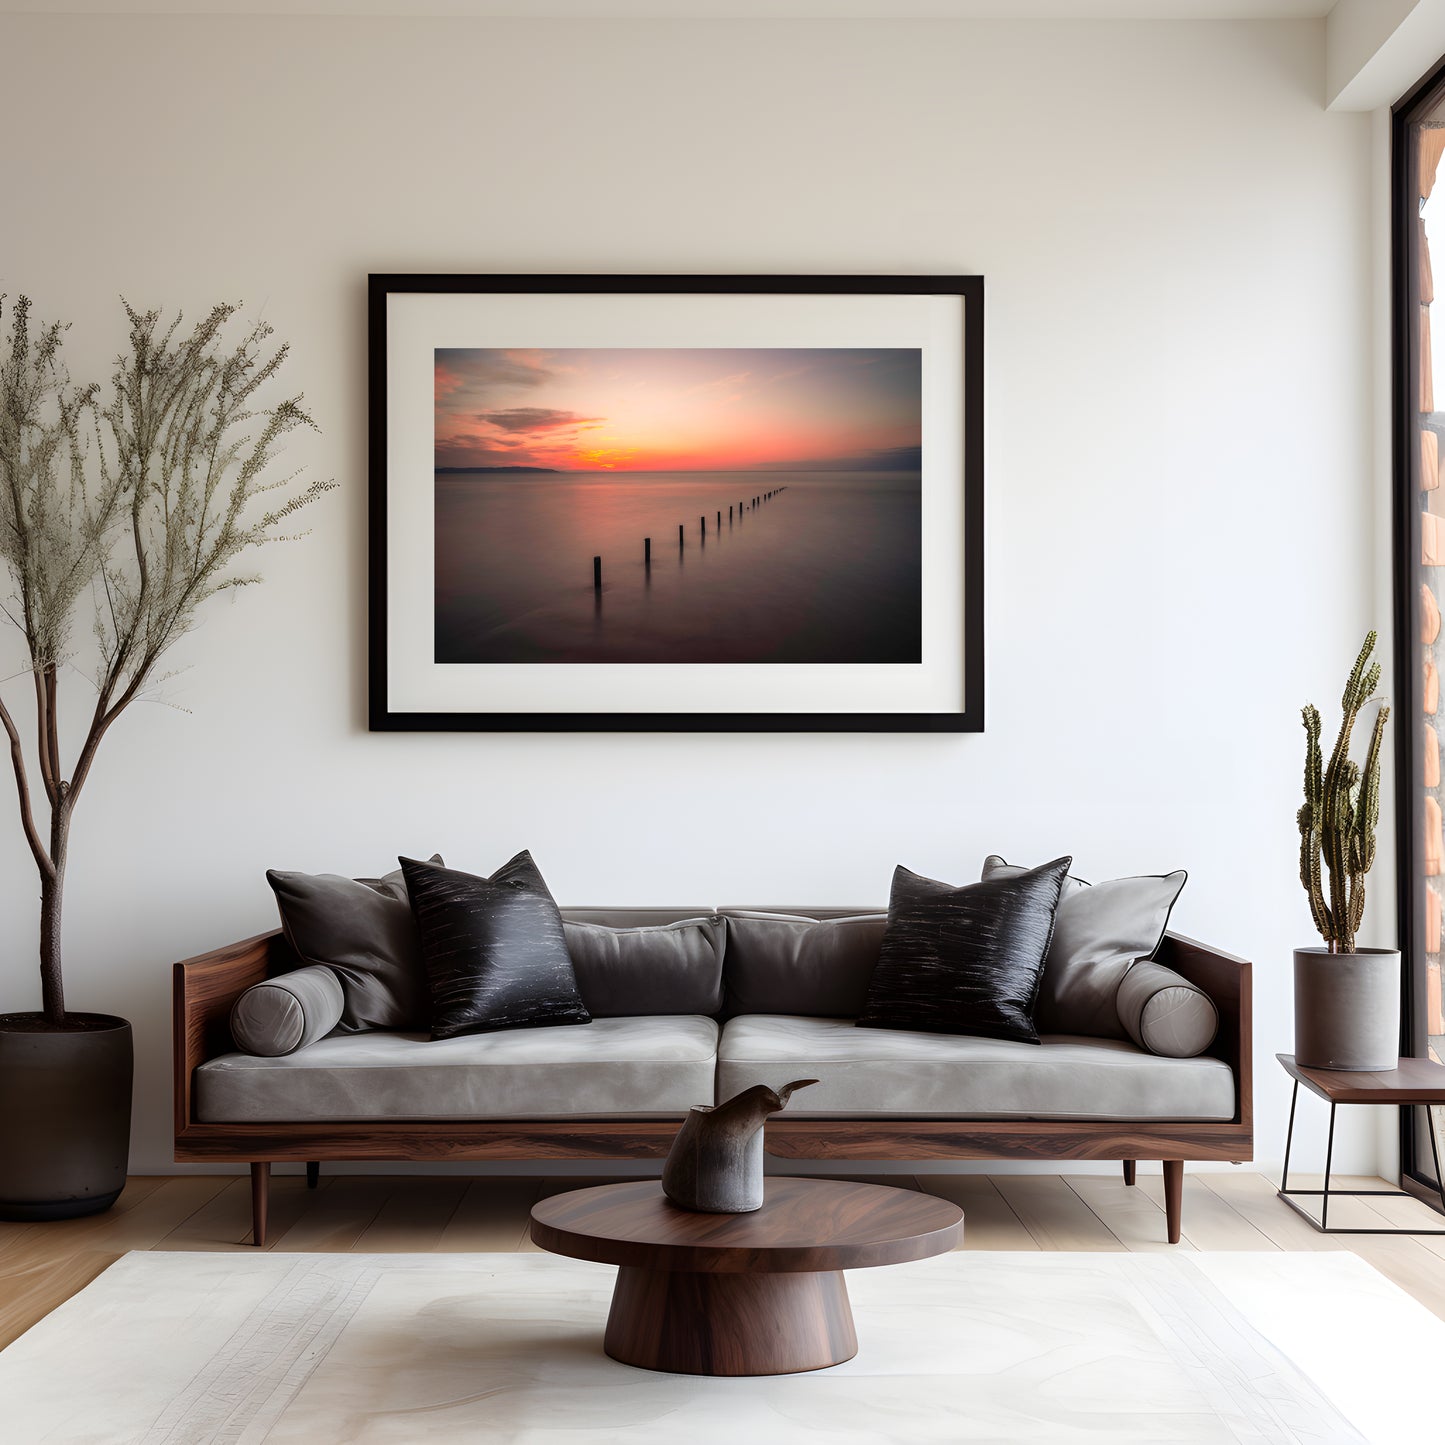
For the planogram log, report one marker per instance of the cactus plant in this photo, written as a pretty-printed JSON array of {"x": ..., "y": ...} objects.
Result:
[{"x": 1341, "y": 810}]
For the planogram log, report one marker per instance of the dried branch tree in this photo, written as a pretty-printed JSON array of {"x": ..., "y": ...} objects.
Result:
[{"x": 143, "y": 498}]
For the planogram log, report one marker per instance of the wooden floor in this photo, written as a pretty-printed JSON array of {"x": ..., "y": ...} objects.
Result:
[{"x": 42, "y": 1265}]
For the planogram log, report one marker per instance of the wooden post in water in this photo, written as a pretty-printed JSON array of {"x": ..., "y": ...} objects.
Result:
[
  {"x": 647, "y": 551},
  {"x": 730, "y": 514},
  {"x": 702, "y": 527},
  {"x": 719, "y": 521},
  {"x": 679, "y": 536},
  {"x": 597, "y": 574}
]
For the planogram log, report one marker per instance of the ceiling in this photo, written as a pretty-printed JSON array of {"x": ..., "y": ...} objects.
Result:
[{"x": 712, "y": 9}]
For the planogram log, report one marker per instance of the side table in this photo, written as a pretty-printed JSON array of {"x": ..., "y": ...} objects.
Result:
[{"x": 1412, "y": 1081}]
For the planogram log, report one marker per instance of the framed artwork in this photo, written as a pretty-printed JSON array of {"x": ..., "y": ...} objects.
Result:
[{"x": 647, "y": 503}]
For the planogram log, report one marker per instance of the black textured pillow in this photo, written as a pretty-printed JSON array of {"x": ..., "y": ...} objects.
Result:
[
  {"x": 494, "y": 949},
  {"x": 965, "y": 960}
]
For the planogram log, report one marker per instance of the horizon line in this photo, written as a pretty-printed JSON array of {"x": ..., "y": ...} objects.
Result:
[{"x": 709, "y": 471}]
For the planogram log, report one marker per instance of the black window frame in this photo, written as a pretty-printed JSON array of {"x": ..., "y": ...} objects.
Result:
[{"x": 1409, "y": 709}]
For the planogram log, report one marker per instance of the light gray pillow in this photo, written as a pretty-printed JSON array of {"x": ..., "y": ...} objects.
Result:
[
  {"x": 1165, "y": 1013},
  {"x": 668, "y": 968},
  {"x": 1100, "y": 930},
  {"x": 792, "y": 964},
  {"x": 364, "y": 931},
  {"x": 287, "y": 1012}
]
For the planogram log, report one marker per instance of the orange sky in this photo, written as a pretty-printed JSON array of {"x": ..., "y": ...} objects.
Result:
[{"x": 699, "y": 409}]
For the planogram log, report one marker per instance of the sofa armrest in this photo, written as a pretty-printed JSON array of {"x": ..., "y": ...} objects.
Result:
[
  {"x": 1229, "y": 982},
  {"x": 203, "y": 990}
]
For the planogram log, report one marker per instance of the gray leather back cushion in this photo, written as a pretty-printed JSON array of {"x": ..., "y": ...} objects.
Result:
[
  {"x": 636, "y": 917},
  {"x": 287, "y": 1012},
  {"x": 1099, "y": 931},
  {"x": 1165, "y": 1013},
  {"x": 795, "y": 964},
  {"x": 627, "y": 971}
]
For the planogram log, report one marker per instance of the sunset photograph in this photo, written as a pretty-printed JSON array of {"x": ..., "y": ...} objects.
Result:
[{"x": 678, "y": 505}]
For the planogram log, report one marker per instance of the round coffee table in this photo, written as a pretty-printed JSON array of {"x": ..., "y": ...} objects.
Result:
[{"x": 741, "y": 1294}]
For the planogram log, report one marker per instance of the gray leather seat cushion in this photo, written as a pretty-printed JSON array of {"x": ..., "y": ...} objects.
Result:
[
  {"x": 638, "y": 1066},
  {"x": 886, "y": 1071}
]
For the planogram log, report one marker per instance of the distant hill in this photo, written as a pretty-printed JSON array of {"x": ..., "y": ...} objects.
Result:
[{"x": 451, "y": 471}]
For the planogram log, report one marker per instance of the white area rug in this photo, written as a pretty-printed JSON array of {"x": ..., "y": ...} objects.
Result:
[{"x": 1057, "y": 1348}]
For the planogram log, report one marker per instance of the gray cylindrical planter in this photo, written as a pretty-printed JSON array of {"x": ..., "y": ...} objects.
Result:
[
  {"x": 64, "y": 1115},
  {"x": 1347, "y": 1009}
]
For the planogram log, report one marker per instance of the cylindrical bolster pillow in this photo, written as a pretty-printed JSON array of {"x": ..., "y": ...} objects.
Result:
[
  {"x": 1165, "y": 1013},
  {"x": 287, "y": 1012}
]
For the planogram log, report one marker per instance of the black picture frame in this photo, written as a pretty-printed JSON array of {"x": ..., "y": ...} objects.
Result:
[{"x": 968, "y": 719}]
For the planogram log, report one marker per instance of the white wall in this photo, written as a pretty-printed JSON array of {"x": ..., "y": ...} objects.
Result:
[{"x": 1177, "y": 245}]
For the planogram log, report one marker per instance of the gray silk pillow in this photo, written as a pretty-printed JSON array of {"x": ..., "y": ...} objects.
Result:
[
  {"x": 364, "y": 931},
  {"x": 1100, "y": 931},
  {"x": 287, "y": 1012},
  {"x": 1165, "y": 1013},
  {"x": 793, "y": 964},
  {"x": 669, "y": 968}
]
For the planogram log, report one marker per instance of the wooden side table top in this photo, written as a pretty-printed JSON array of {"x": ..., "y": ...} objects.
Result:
[
  {"x": 1412, "y": 1081},
  {"x": 805, "y": 1225}
]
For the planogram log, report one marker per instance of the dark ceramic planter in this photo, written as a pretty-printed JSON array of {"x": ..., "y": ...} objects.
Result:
[
  {"x": 64, "y": 1115},
  {"x": 1347, "y": 1009}
]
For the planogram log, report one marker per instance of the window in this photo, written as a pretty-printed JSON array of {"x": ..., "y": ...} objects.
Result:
[{"x": 1419, "y": 531}]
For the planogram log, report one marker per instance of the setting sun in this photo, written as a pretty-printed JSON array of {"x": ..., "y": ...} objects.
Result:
[{"x": 716, "y": 409}]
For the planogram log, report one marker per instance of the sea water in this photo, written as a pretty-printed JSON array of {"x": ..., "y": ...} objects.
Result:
[{"x": 828, "y": 570}]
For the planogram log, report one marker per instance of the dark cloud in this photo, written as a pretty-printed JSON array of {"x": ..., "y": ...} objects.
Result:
[
  {"x": 892, "y": 459},
  {"x": 884, "y": 459},
  {"x": 491, "y": 368},
  {"x": 467, "y": 454},
  {"x": 534, "y": 419}
]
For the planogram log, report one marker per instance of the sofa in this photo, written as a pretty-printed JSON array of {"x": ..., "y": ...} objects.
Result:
[{"x": 774, "y": 1000}]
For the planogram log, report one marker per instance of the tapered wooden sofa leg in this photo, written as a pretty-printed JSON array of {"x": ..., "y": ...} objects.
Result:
[
  {"x": 1174, "y": 1197},
  {"x": 313, "y": 1173},
  {"x": 1129, "y": 1170},
  {"x": 260, "y": 1199}
]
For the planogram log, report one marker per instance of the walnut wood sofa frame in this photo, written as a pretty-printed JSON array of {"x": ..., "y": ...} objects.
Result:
[{"x": 207, "y": 986}]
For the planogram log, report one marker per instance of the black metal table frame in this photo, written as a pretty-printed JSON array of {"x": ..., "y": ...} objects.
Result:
[{"x": 1292, "y": 1196}]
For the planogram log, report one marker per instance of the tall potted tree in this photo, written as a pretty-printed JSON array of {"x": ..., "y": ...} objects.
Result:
[
  {"x": 140, "y": 498},
  {"x": 1346, "y": 998}
]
